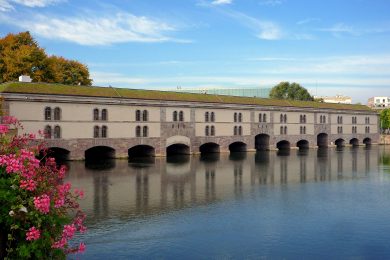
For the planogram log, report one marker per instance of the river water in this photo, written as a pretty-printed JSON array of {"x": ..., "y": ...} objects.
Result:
[{"x": 299, "y": 204}]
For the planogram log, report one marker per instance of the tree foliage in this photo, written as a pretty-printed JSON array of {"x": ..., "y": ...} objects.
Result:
[
  {"x": 20, "y": 54},
  {"x": 385, "y": 120},
  {"x": 287, "y": 90}
]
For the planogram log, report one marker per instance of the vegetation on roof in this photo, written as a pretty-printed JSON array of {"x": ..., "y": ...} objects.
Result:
[{"x": 59, "y": 89}]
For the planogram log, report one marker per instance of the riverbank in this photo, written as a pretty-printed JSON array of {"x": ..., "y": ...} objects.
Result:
[{"x": 384, "y": 139}]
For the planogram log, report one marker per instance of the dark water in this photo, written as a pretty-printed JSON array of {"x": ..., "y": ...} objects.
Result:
[{"x": 313, "y": 204}]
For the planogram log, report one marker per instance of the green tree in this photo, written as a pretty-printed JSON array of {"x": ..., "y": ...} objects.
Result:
[
  {"x": 385, "y": 120},
  {"x": 293, "y": 91},
  {"x": 20, "y": 54}
]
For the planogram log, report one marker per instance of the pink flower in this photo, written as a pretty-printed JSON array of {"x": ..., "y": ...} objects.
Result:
[
  {"x": 3, "y": 129},
  {"x": 79, "y": 193},
  {"x": 81, "y": 248},
  {"x": 33, "y": 234},
  {"x": 68, "y": 231},
  {"x": 28, "y": 185},
  {"x": 42, "y": 203},
  {"x": 59, "y": 203}
]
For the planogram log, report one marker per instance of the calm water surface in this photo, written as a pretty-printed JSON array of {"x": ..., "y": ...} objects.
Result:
[{"x": 313, "y": 204}]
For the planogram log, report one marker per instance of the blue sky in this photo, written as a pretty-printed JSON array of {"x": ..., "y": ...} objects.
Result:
[{"x": 330, "y": 47}]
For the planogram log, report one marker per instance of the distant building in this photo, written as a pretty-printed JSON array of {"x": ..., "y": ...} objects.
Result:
[
  {"x": 240, "y": 92},
  {"x": 379, "y": 102},
  {"x": 338, "y": 99}
]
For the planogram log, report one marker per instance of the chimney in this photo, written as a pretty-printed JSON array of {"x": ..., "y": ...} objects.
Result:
[{"x": 24, "y": 78}]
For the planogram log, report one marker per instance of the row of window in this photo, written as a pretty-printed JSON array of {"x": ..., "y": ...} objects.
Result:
[
  {"x": 237, "y": 117},
  {"x": 237, "y": 130},
  {"x": 354, "y": 120},
  {"x": 52, "y": 114},
  {"x": 339, "y": 129},
  {"x": 145, "y": 115},
  {"x": 209, "y": 117},
  {"x": 263, "y": 118},
  {"x": 283, "y": 118},
  {"x": 283, "y": 130},
  {"x": 302, "y": 130},
  {"x": 50, "y": 133},
  {"x": 339, "y": 119},
  {"x": 145, "y": 131},
  {"x": 302, "y": 119},
  {"x": 100, "y": 115},
  {"x": 178, "y": 116},
  {"x": 322, "y": 119},
  {"x": 367, "y": 120},
  {"x": 354, "y": 129},
  {"x": 209, "y": 130},
  {"x": 100, "y": 132}
]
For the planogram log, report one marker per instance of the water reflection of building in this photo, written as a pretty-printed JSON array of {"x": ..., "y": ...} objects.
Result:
[{"x": 129, "y": 190}]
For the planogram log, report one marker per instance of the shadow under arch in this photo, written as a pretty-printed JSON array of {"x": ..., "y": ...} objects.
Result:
[
  {"x": 99, "y": 152},
  {"x": 237, "y": 147},
  {"x": 283, "y": 145},
  {"x": 207, "y": 148},
  {"x": 178, "y": 149},
  {"x": 141, "y": 151},
  {"x": 367, "y": 141},
  {"x": 322, "y": 140},
  {"x": 340, "y": 142},
  {"x": 262, "y": 142},
  {"x": 354, "y": 142},
  {"x": 303, "y": 144},
  {"x": 58, "y": 153}
]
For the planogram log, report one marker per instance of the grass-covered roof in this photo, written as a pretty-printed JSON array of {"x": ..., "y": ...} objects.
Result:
[{"x": 58, "y": 89}]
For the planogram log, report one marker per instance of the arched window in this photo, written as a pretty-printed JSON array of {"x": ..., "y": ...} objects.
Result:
[
  {"x": 96, "y": 131},
  {"x": 235, "y": 130},
  {"x": 281, "y": 130},
  {"x": 138, "y": 131},
  {"x": 321, "y": 119},
  {"x": 174, "y": 115},
  {"x": 264, "y": 118},
  {"x": 235, "y": 117},
  {"x": 285, "y": 130},
  {"x": 47, "y": 132},
  {"x": 57, "y": 132},
  {"x": 104, "y": 131},
  {"x": 240, "y": 130},
  {"x": 104, "y": 114},
  {"x": 300, "y": 129},
  {"x": 304, "y": 119},
  {"x": 206, "y": 116},
  {"x": 239, "y": 117},
  {"x": 145, "y": 115},
  {"x": 138, "y": 115},
  {"x": 260, "y": 118},
  {"x": 181, "y": 116},
  {"x": 57, "y": 114},
  {"x": 281, "y": 118},
  {"x": 285, "y": 118},
  {"x": 96, "y": 114},
  {"x": 47, "y": 113},
  {"x": 304, "y": 130},
  {"x": 145, "y": 131},
  {"x": 212, "y": 117},
  {"x": 212, "y": 130},
  {"x": 207, "y": 130},
  {"x": 300, "y": 119}
]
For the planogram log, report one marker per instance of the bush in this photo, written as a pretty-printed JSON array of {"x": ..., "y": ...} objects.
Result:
[{"x": 39, "y": 213}]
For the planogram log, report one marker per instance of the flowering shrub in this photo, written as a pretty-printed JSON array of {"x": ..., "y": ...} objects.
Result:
[{"x": 39, "y": 213}]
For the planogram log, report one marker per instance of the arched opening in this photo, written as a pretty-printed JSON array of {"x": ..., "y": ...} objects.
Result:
[
  {"x": 340, "y": 142},
  {"x": 262, "y": 142},
  {"x": 59, "y": 154},
  {"x": 209, "y": 148},
  {"x": 322, "y": 140},
  {"x": 178, "y": 149},
  {"x": 303, "y": 144},
  {"x": 283, "y": 145},
  {"x": 141, "y": 151},
  {"x": 354, "y": 142},
  {"x": 99, "y": 152},
  {"x": 237, "y": 147},
  {"x": 367, "y": 141}
]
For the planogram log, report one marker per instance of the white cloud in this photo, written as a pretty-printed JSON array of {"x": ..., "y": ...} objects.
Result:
[
  {"x": 222, "y": 2},
  {"x": 340, "y": 28},
  {"x": 97, "y": 30},
  {"x": 5, "y": 6},
  {"x": 36, "y": 3},
  {"x": 308, "y": 20}
]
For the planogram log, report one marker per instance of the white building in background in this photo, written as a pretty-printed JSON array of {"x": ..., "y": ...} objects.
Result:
[
  {"x": 338, "y": 99},
  {"x": 379, "y": 102}
]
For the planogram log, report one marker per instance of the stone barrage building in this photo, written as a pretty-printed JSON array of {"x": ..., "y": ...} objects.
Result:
[{"x": 82, "y": 122}]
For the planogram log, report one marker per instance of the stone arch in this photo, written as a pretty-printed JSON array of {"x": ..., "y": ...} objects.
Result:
[
  {"x": 303, "y": 144},
  {"x": 209, "y": 148},
  {"x": 340, "y": 142},
  {"x": 99, "y": 152},
  {"x": 367, "y": 141},
  {"x": 178, "y": 139},
  {"x": 141, "y": 151},
  {"x": 59, "y": 153},
  {"x": 354, "y": 142},
  {"x": 262, "y": 142},
  {"x": 283, "y": 145},
  {"x": 322, "y": 140},
  {"x": 178, "y": 149},
  {"x": 237, "y": 147}
]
